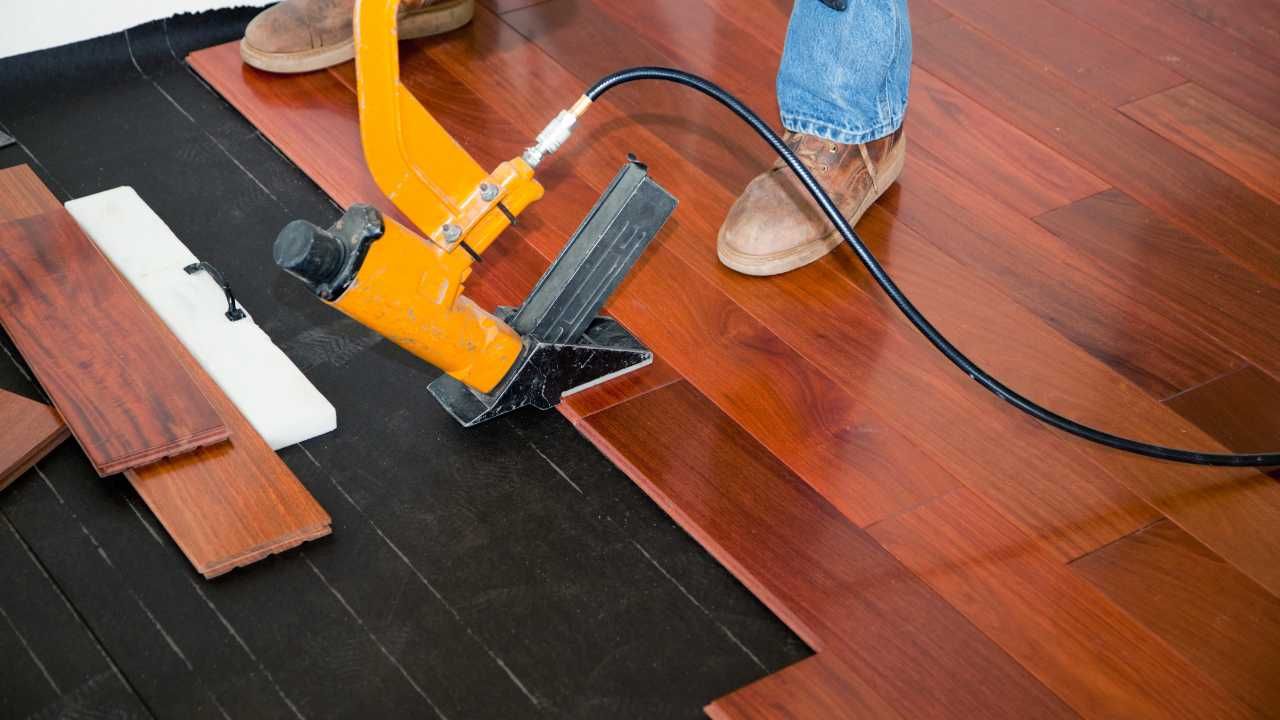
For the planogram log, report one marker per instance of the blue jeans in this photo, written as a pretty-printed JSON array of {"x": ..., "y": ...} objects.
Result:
[{"x": 844, "y": 75}]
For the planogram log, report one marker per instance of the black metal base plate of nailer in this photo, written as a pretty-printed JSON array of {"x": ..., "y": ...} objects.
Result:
[{"x": 568, "y": 346}]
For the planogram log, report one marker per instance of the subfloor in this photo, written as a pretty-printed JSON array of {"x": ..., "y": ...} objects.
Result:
[
  {"x": 505, "y": 572},
  {"x": 1088, "y": 210}
]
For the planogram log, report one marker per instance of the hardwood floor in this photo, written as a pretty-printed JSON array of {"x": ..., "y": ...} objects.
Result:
[{"x": 1087, "y": 210}]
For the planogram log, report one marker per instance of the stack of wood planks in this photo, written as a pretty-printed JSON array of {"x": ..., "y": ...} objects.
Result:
[
  {"x": 1071, "y": 215},
  {"x": 134, "y": 398}
]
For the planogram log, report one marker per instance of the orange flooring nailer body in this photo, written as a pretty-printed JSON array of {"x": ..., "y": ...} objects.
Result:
[{"x": 408, "y": 287}]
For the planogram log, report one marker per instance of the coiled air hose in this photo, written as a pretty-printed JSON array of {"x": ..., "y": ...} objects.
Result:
[{"x": 558, "y": 131}]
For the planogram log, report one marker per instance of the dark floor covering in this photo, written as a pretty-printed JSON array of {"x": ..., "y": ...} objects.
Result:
[{"x": 505, "y": 571}]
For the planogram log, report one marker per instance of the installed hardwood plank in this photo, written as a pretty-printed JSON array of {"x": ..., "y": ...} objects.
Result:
[
  {"x": 1217, "y": 132},
  {"x": 1165, "y": 268},
  {"x": 1238, "y": 73},
  {"x": 829, "y": 308},
  {"x": 1255, "y": 21},
  {"x": 1076, "y": 51},
  {"x": 1132, "y": 158},
  {"x": 824, "y": 576},
  {"x": 1220, "y": 620},
  {"x": 28, "y": 431},
  {"x": 1075, "y": 292},
  {"x": 1240, "y": 409},
  {"x": 85, "y": 337},
  {"x": 816, "y": 688},
  {"x": 1094, "y": 655},
  {"x": 1015, "y": 168}
]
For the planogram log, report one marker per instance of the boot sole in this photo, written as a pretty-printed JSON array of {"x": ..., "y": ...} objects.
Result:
[
  {"x": 431, "y": 20},
  {"x": 787, "y": 260}
]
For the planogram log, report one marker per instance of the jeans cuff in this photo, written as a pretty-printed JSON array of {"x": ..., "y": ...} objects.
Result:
[{"x": 841, "y": 135}]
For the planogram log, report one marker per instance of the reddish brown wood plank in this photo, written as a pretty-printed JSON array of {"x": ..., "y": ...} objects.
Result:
[
  {"x": 582, "y": 405},
  {"x": 1073, "y": 290},
  {"x": 828, "y": 305},
  {"x": 1164, "y": 267},
  {"x": 226, "y": 505},
  {"x": 231, "y": 504},
  {"x": 1095, "y": 656},
  {"x": 818, "y": 571},
  {"x": 86, "y": 338},
  {"x": 1076, "y": 51},
  {"x": 1236, "y": 72},
  {"x": 1217, "y": 132},
  {"x": 1220, "y": 620},
  {"x": 1014, "y": 168},
  {"x": 1132, "y": 158},
  {"x": 28, "y": 431},
  {"x": 1240, "y": 409},
  {"x": 1257, "y": 22},
  {"x": 817, "y": 688},
  {"x": 926, "y": 12}
]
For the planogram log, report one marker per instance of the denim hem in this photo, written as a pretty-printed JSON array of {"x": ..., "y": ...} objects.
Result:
[{"x": 841, "y": 135}]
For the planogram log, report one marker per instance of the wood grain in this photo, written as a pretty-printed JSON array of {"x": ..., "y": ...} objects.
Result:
[
  {"x": 1116, "y": 149},
  {"x": 232, "y": 504},
  {"x": 226, "y": 505},
  {"x": 1092, "y": 654},
  {"x": 127, "y": 401},
  {"x": 1221, "y": 621},
  {"x": 1241, "y": 409},
  {"x": 817, "y": 688},
  {"x": 1073, "y": 290},
  {"x": 1164, "y": 267},
  {"x": 825, "y": 577},
  {"x": 830, "y": 304},
  {"x": 28, "y": 431},
  {"x": 1012, "y": 166},
  {"x": 1237, "y": 72},
  {"x": 1076, "y": 51},
  {"x": 1257, "y": 22},
  {"x": 1217, "y": 132}
]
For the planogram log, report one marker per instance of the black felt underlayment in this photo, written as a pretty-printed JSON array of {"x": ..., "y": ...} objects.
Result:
[{"x": 505, "y": 571}]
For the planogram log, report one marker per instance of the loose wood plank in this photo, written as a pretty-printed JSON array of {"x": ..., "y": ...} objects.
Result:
[
  {"x": 1076, "y": 51},
  {"x": 1213, "y": 205},
  {"x": 28, "y": 431},
  {"x": 1217, "y": 132},
  {"x": 1220, "y": 620},
  {"x": 226, "y": 505},
  {"x": 1240, "y": 409},
  {"x": 1094, "y": 655},
  {"x": 825, "y": 577},
  {"x": 231, "y": 504},
  {"x": 82, "y": 331}
]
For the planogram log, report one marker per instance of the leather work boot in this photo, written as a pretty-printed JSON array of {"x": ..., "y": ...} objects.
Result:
[
  {"x": 775, "y": 226},
  {"x": 303, "y": 35}
]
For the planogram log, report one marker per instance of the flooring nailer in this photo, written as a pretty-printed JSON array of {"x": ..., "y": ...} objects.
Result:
[{"x": 409, "y": 287}]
